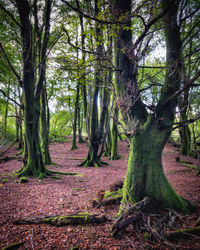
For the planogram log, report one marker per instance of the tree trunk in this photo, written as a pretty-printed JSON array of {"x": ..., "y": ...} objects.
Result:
[
  {"x": 148, "y": 132},
  {"x": 80, "y": 126},
  {"x": 33, "y": 162},
  {"x": 45, "y": 129},
  {"x": 114, "y": 148},
  {"x": 76, "y": 110},
  {"x": 6, "y": 111},
  {"x": 185, "y": 135},
  {"x": 145, "y": 176}
]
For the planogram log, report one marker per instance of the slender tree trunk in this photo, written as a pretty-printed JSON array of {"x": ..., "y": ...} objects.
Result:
[
  {"x": 104, "y": 110},
  {"x": 80, "y": 126},
  {"x": 185, "y": 135},
  {"x": 76, "y": 110},
  {"x": 44, "y": 129},
  {"x": 6, "y": 111},
  {"x": 114, "y": 149}
]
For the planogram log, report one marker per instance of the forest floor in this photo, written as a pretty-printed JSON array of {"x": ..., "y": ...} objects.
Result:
[{"x": 74, "y": 194}]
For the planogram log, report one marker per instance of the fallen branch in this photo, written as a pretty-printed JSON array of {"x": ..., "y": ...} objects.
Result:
[
  {"x": 128, "y": 216},
  {"x": 76, "y": 219}
]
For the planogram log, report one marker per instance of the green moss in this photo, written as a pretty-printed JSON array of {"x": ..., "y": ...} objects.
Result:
[
  {"x": 191, "y": 166},
  {"x": 74, "y": 248},
  {"x": 174, "y": 171},
  {"x": 79, "y": 189},
  {"x": 55, "y": 177},
  {"x": 114, "y": 195},
  {"x": 4, "y": 180},
  {"x": 23, "y": 179},
  {"x": 13, "y": 246},
  {"x": 146, "y": 236}
]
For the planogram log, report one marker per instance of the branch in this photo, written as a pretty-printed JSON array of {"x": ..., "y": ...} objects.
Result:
[
  {"x": 189, "y": 32},
  {"x": 190, "y": 15},
  {"x": 151, "y": 67},
  {"x": 151, "y": 85},
  {"x": 188, "y": 85},
  {"x": 10, "y": 15},
  {"x": 10, "y": 65},
  {"x": 92, "y": 17},
  {"x": 185, "y": 123},
  {"x": 53, "y": 44},
  {"x": 148, "y": 26},
  {"x": 81, "y": 49},
  {"x": 10, "y": 98}
]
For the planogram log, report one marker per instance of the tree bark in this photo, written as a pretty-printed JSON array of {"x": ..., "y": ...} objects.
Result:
[
  {"x": 114, "y": 148},
  {"x": 45, "y": 129}
]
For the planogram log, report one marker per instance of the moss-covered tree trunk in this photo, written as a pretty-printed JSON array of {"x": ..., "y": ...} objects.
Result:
[
  {"x": 33, "y": 162},
  {"x": 114, "y": 133},
  {"x": 6, "y": 111},
  {"x": 148, "y": 132},
  {"x": 93, "y": 140},
  {"x": 80, "y": 125},
  {"x": 185, "y": 135},
  {"x": 145, "y": 176},
  {"x": 45, "y": 128}
]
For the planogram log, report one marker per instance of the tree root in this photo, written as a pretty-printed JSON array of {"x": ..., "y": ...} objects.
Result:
[
  {"x": 8, "y": 158},
  {"x": 92, "y": 163},
  {"x": 184, "y": 233},
  {"x": 24, "y": 172},
  {"x": 76, "y": 219},
  {"x": 128, "y": 216},
  {"x": 13, "y": 246}
]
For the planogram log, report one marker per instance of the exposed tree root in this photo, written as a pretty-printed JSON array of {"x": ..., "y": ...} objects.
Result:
[
  {"x": 25, "y": 172},
  {"x": 115, "y": 157},
  {"x": 76, "y": 219},
  {"x": 7, "y": 158},
  {"x": 128, "y": 216},
  {"x": 184, "y": 233},
  {"x": 113, "y": 197},
  {"x": 13, "y": 246},
  {"x": 92, "y": 163}
]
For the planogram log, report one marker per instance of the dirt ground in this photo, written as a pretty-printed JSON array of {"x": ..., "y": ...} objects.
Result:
[{"x": 74, "y": 194}]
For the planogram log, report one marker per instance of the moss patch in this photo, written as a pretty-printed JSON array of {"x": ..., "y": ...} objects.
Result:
[
  {"x": 13, "y": 246},
  {"x": 79, "y": 189},
  {"x": 114, "y": 194},
  {"x": 23, "y": 179},
  {"x": 174, "y": 171},
  {"x": 4, "y": 180}
]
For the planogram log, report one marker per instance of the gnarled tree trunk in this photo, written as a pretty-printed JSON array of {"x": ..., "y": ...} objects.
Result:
[{"x": 148, "y": 132}]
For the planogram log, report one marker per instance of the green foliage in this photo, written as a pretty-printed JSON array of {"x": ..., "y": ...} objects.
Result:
[{"x": 60, "y": 124}]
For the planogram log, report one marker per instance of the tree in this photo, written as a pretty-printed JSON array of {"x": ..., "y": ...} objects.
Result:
[
  {"x": 34, "y": 49},
  {"x": 150, "y": 130}
]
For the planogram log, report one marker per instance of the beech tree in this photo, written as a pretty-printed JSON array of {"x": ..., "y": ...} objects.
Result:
[
  {"x": 150, "y": 130},
  {"x": 34, "y": 40}
]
